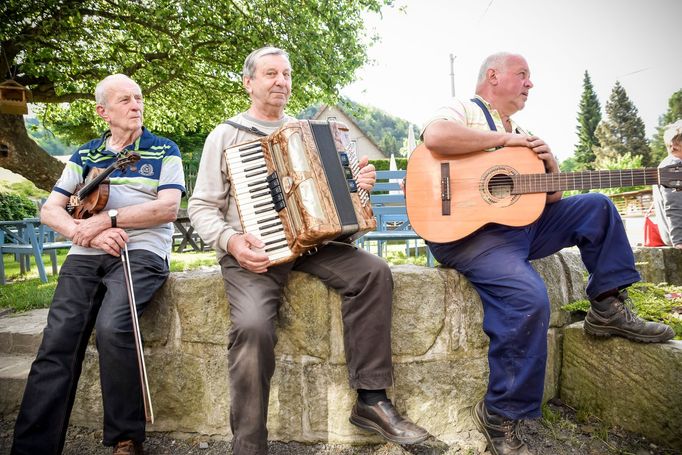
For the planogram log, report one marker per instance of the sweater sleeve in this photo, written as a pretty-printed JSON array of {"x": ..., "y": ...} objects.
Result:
[{"x": 209, "y": 206}]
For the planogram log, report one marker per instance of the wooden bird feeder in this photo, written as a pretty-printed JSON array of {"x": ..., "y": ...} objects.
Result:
[{"x": 13, "y": 98}]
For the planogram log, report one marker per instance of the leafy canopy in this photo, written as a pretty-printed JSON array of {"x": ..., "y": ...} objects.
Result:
[{"x": 186, "y": 55}]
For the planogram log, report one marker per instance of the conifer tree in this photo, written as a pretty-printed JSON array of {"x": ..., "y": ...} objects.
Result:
[
  {"x": 622, "y": 131},
  {"x": 658, "y": 150},
  {"x": 589, "y": 116}
]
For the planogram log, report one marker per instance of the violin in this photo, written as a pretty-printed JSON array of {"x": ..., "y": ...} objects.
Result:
[{"x": 92, "y": 195}]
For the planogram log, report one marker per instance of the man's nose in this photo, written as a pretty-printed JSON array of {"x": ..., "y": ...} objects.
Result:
[{"x": 529, "y": 83}]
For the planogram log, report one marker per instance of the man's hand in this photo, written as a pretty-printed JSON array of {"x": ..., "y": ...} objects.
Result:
[
  {"x": 247, "y": 249},
  {"x": 111, "y": 241},
  {"x": 678, "y": 246},
  {"x": 86, "y": 230},
  {"x": 544, "y": 153},
  {"x": 367, "y": 176}
]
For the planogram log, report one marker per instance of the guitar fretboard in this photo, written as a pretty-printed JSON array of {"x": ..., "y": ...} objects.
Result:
[{"x": 564, "y": 181}]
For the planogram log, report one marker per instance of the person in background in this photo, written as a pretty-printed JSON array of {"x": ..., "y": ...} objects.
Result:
[
  {"x": 91, "y": 291},
  {"x": 668, "y": 201},
  {"x": 254, "y": 287},
  {"x": 496, "y": 258}
]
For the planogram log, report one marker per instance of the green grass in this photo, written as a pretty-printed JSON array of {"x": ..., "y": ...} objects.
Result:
[{"x": 26, "y": 292}]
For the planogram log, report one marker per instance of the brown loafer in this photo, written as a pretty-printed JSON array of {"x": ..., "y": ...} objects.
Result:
[
  {"x": 128, "y": 447},
  {"x": 383, "y": 418}
]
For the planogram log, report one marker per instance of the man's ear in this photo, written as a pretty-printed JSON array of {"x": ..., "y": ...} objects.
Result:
[
  {"x": 102, "y": 112},
  {"x": 491, "y": 75},
  {"x": 247, "y": 84}
]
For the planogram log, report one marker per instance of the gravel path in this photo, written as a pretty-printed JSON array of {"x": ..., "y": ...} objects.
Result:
[{"x": 566, "y": 435}]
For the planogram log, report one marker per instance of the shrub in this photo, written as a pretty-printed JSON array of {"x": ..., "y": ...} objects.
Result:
[{"x": 16, "y": 207}]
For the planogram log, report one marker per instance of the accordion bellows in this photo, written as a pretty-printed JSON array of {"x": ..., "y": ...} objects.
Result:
[{"x": 296, "y": 188}]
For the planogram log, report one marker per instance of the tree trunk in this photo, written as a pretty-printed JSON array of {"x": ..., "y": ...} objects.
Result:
[{"x": 20, "y": 154}]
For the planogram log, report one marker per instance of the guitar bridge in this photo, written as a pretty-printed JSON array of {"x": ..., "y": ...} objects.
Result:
[{"x": 445, "y": 188}]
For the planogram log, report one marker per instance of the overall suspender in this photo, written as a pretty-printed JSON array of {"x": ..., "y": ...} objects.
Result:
[{"x": 486, "y": 112}]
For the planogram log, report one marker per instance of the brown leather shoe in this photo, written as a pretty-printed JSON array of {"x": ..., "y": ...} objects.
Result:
[
  {"x": 128, "y": 447},
  {"x": 383, "y": 418},
  {"x": 503, "y": 435}
]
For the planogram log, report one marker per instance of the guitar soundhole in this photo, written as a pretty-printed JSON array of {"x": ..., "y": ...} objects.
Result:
[
  {"x": 500, "y": 186},
  {"x": 497, "y": 185}
]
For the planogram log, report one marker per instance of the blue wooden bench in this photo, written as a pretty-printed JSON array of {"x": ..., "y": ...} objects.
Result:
[
  {"x": 388, "y": 205},
  {"x": 29, "y": 238}
]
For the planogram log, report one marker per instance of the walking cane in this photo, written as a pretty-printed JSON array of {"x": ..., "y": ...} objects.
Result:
[{"x": 146, "y": 397}]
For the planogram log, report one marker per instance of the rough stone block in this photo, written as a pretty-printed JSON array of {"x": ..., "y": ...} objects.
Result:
[{"x": 633, "y": 385}]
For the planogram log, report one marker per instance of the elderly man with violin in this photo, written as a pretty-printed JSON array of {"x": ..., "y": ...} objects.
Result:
[{"x": 116, "y": 199}]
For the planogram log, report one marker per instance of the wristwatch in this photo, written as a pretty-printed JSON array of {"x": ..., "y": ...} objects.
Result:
[{"x": 112, "y": 214}]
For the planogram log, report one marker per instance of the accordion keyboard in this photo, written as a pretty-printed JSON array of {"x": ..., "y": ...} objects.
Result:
[{"x": 257, "y": 209}]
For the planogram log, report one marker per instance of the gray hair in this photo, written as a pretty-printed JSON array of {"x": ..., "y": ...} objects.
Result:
[
  {"x": 250, "y": 62},
  {"x": 495, "y": 61},
  {"x": 673, "y": 132},
  {"x": 102, "y": 89}
]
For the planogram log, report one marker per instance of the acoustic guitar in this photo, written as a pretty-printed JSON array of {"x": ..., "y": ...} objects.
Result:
[{"x": 449, "y": 197}]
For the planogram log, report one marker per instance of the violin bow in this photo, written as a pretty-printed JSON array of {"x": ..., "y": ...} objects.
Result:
[{"x": 146, "y": 397}]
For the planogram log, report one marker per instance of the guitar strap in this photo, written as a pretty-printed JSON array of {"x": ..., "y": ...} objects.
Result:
[
  {"x": 486, "y": 112},
  {"x": 252, "y": 130}
]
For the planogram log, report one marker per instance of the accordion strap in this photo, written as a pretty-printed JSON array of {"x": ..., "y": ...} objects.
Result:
[{"x": 252, "y": 129}]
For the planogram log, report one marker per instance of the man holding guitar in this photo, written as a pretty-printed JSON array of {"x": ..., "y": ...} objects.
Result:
[
  {"x": 134, "y": 220},
  {"x": 479, "y": 136}
]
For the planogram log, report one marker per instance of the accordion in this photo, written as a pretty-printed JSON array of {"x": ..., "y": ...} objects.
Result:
[{"x": 296, "y": 188}]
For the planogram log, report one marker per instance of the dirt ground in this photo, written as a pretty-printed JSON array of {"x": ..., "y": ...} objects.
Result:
[{"x": 562, "y": 432}]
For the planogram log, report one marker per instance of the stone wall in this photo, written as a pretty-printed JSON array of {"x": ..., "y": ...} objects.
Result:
[
  {"x": 438, "y": 344},
  {"x": 439, "y": 356}
]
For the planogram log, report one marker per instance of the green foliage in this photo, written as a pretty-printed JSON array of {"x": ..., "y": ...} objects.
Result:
[
  {"x": 24, "y": 188},
  {"x": 191, "y": 145},
  {"x": 623, "y": 130},
  {"x": 45, "y": 138},
  {"x": 387, "y": 131},
  {"x": 187, "y": 56},
  {"x": 589, "y": 117},
  {"x": 673, "y": 114},
  {"x": 653, "y": 302},
  {"x": 16, "y": 207},
  {"x": 384, "y": 165}
]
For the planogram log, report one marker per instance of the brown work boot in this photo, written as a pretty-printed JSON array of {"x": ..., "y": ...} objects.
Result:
[
  {"x": 615, "y": 316},
  {"x": 128, "y": 447},
  {"x": 383, "y": 418},
  {"x": 503, "y": 435}
]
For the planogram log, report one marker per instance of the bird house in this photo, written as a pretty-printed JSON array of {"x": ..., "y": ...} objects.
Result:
[{"x": 13, "y": 98}]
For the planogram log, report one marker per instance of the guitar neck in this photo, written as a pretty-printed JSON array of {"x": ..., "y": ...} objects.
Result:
[{"x": 585, "y": 180}]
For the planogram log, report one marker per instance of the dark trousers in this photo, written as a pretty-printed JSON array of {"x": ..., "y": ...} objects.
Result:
[
  {"x": 91, "y": 292},
  {"x": 365, "y": 284},
  {"x": 515, "y": 302}
]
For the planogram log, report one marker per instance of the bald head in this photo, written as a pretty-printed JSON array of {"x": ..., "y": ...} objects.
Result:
[
  {"x": 496, "y": 61},
  {"x": 103, "y": 89}
]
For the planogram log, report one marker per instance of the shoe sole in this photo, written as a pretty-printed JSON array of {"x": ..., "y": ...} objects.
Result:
[
  {"x": 481, "y": 427},
  {"x": 367, "y": 424},
  {"x": 607, "y": 331}
]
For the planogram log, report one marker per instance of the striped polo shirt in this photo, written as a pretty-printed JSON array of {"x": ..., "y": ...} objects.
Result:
[{"x": 159, "y": 168}]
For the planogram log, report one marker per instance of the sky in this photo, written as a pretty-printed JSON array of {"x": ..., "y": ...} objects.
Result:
[{"x": 635, "y": 42}]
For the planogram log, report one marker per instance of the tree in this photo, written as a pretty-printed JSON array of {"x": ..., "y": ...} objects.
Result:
[
  {"x": 674, "y": 113},
  {"x": 622, "y": 132},
  {"x": 186, "y": 56},
  {"x": 589, "y": 116}
]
